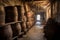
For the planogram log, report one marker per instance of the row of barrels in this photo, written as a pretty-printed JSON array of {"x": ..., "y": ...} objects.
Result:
[
  {"x": 9, "y": 32},
  {"x": 11, "y": 14}
]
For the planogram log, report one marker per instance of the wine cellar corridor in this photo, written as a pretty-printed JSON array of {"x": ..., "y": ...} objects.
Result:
[{"x": 29, "y": 20}]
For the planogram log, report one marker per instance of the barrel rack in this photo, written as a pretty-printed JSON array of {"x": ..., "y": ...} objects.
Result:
[{"x": 11, "y": 24}]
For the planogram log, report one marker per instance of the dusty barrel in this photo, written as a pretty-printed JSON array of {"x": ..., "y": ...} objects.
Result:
[
  {"x": 16, "y": 29},
  {"x": 23, "y": 26},
  {"x": 20, "y": 11},
  {"x": 30, "y": 22},
  {"x": 12, "y": 16},
  {"x": 16, "y": 18},
  {"x": 16, "y": 26},
  {"x": 2, "y": 15},
  {"x": 15, "y": 11},
  {"x": 24, "y": 23},
  {"x": 6, "y": 33}
]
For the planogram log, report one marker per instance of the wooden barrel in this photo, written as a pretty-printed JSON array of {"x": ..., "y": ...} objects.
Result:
[
  {"x": 16, "y": 29},
  {"x": 28, "y": 24},
  {"x": 23, "y": 24},
  {"x": 22, "y": 27},
  {"x": 21, "y": 17},
  {"x": 15, "y": 14},
  {"x": 12, "y": 16},
  {"x": 19, "y": 13},
  {"x": 6, "y": 33},
  {"x": 2, "y": 15}
]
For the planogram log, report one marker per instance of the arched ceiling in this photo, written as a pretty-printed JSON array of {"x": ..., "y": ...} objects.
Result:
[
  {"x": 38, "y": 6},
  {"x": 43, "y": 4},
  {"x": 18, "y": 2}
]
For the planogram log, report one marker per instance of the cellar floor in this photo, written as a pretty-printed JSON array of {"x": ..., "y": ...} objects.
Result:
[{"x": 35, "y": 33}]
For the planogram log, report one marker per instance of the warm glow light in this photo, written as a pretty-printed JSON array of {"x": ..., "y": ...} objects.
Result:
[{"x": 38, "y": 17}]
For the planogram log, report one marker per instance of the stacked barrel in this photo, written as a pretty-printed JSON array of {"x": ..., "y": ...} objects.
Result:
[
  {"x": 5, "y": 31},
  {"x": 12, "y": 22},
  {"x": 30, "y": 16}
]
